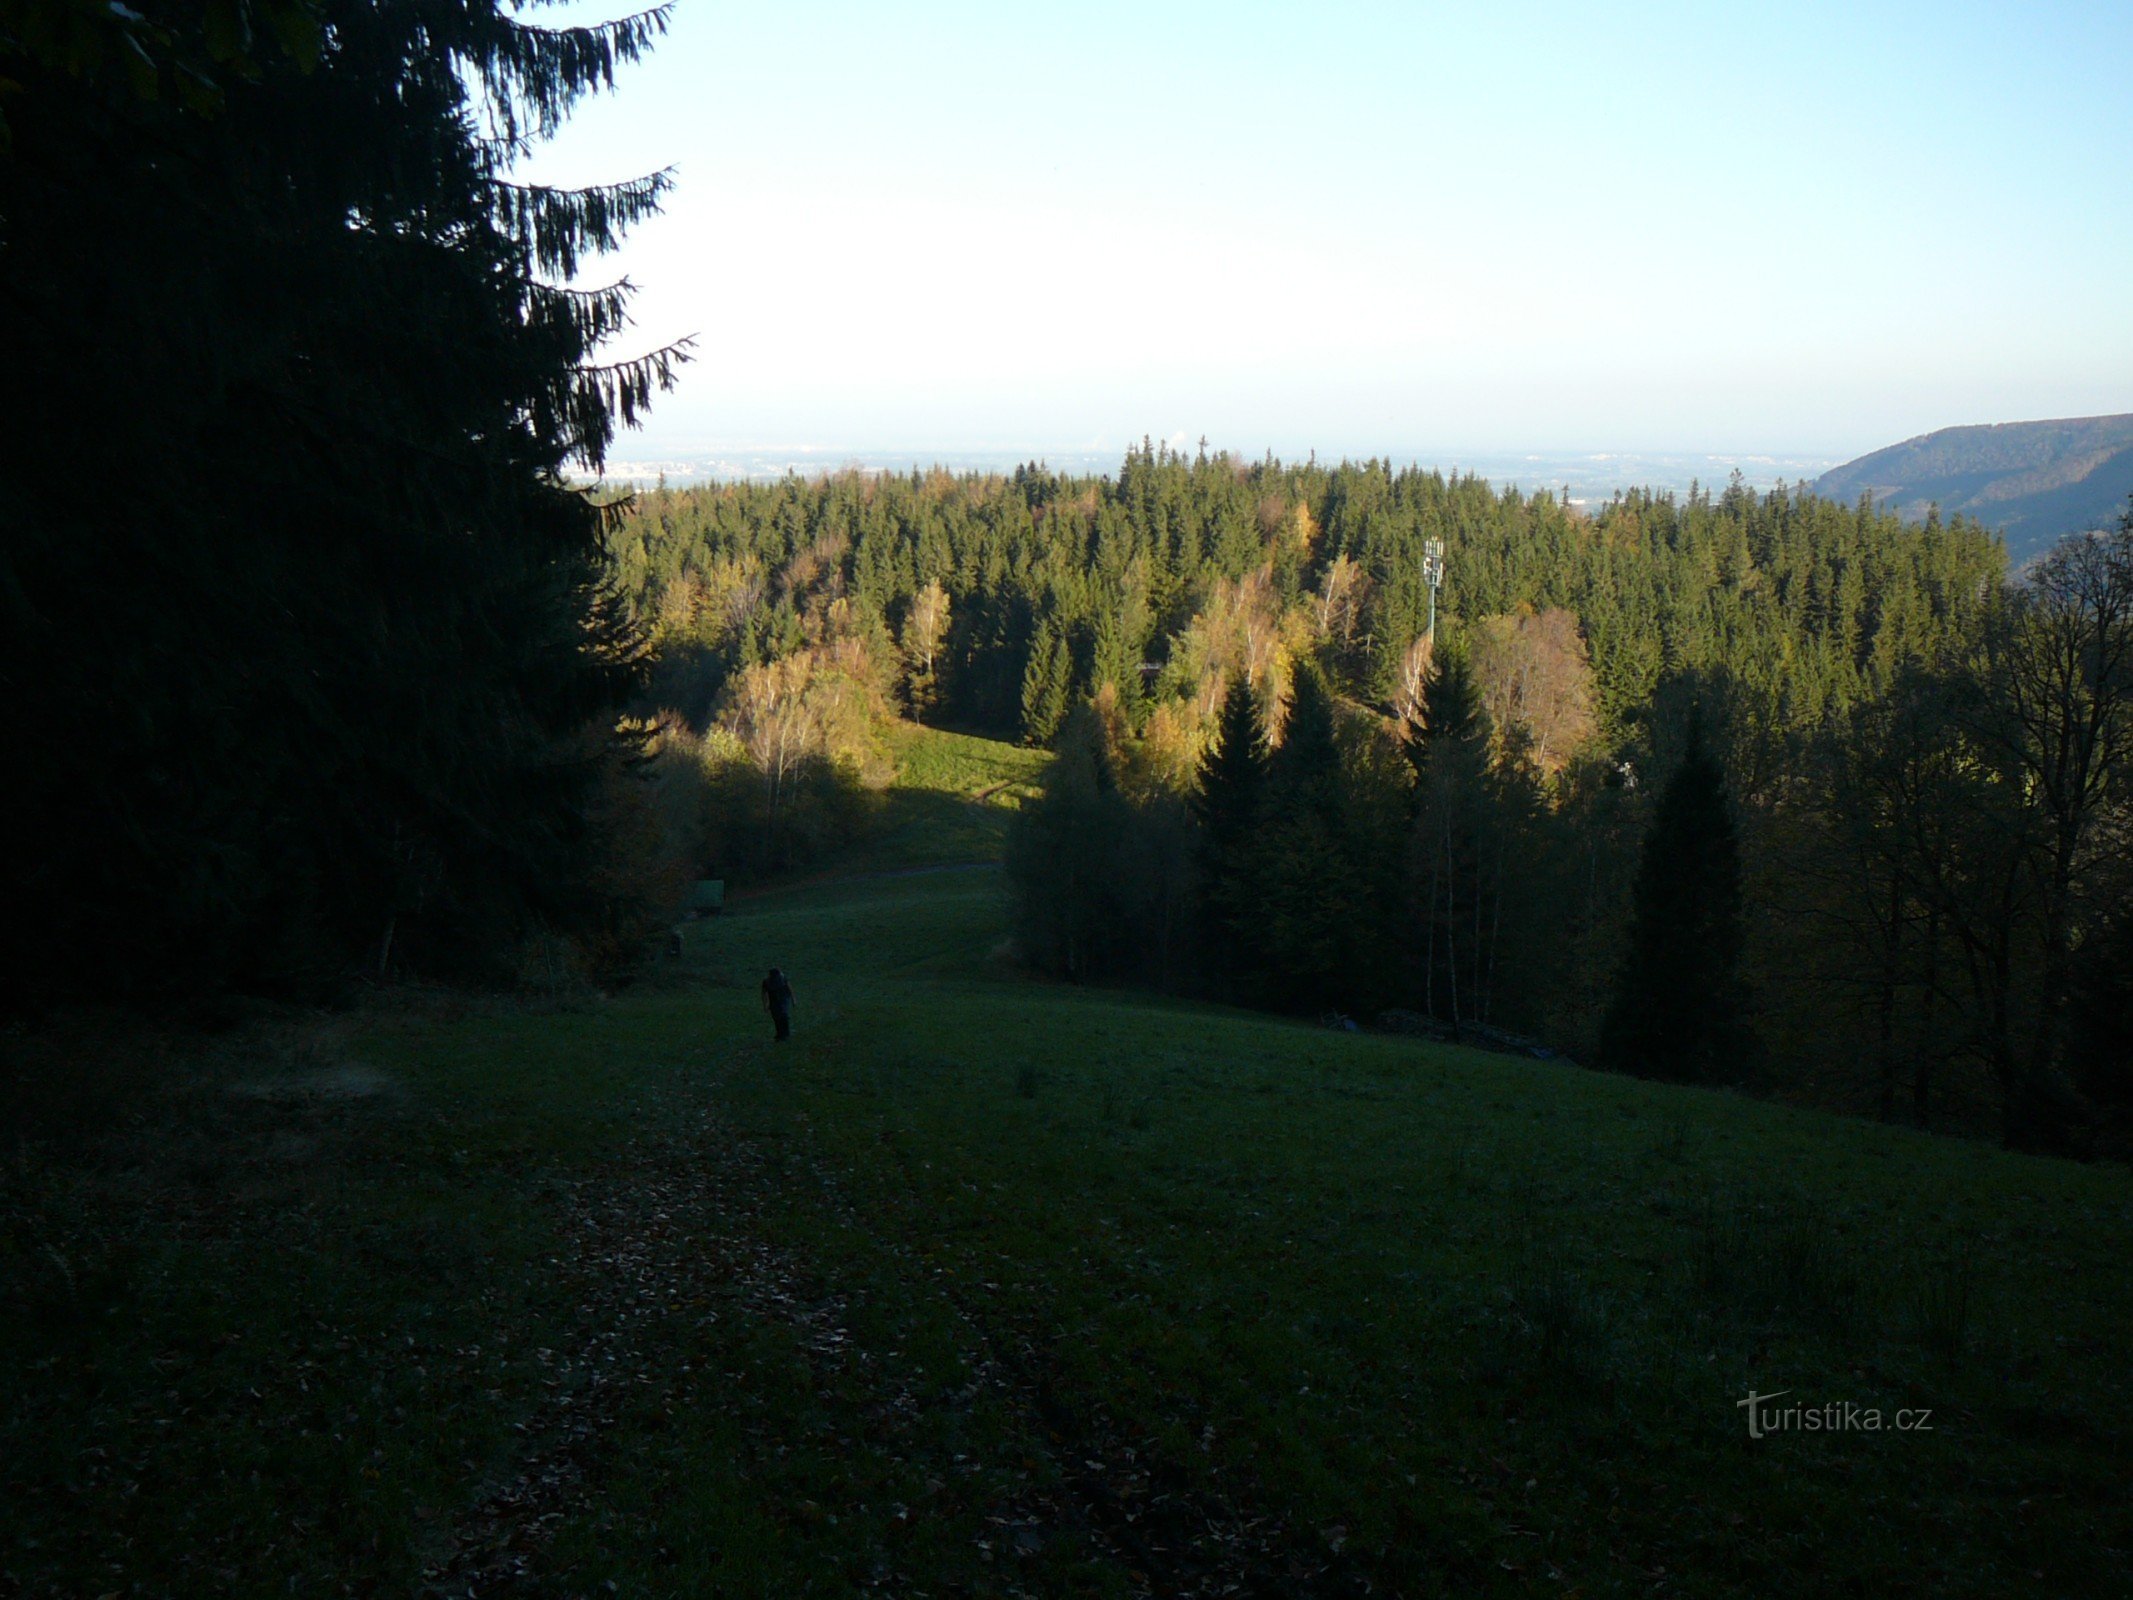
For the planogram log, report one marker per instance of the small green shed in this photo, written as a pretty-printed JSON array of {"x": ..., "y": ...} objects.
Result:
[{"x": 707, "y": 899}]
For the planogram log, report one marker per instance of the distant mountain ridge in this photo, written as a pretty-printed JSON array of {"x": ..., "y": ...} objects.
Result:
[{"x": 2033, "y": 481}]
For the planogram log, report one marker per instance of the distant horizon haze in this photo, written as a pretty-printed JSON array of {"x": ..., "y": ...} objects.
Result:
[{"x": 1536, "y": 468}]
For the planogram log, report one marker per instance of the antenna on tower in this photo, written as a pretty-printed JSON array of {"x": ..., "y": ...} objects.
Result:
[{"x": 1433, "y": 575}]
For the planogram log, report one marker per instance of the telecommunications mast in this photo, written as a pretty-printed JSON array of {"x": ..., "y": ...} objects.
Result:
[{"x": 1433, "y": 575}]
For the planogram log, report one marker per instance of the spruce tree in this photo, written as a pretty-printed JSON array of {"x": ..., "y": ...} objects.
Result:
[
  {"x": 1678, "y": 1006},
  {"x": 1308, "y": 892},
  {"x": 1065, "y": 858},
  {"x": 1226, "y": 807},
  {"x": 1045, "y": 684},
  {"x": 1456, "y": 881},
  {"x": 1451, "y": 710},
  {"x": 1232, "y": 775},
  {"x": 1113, "y": 659},
  {"x": 329, "y": 667},
  {"x": 1307, "y": 761}
]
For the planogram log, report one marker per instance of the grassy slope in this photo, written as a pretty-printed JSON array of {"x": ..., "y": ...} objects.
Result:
[
  {"x": 951, "y": 800},
  {"x": 984, "y": 1284}
]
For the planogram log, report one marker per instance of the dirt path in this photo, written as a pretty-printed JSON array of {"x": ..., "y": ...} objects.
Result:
[
  {"x": 680, "y": 1213},
  {"x": 646, "y": 1241}
]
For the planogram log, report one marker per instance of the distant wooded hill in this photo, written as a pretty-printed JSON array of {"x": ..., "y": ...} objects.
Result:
[{"x": 2033, "y": 481}]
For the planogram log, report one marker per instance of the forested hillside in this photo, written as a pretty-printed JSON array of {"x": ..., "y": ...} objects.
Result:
[
  {"x": 2030, "y": 481},
  {"x": 995, "y": 601},
  {"x": 1892, "y": 884}
]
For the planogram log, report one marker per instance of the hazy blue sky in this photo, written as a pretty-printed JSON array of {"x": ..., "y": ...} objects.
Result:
[{"x": 1481, "y": 227}]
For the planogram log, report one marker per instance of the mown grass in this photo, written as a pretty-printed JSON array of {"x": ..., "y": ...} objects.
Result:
[
  {"x": 1488, "y": 1319},
  {"x": 951, "y": 801},
  {"x": 984, "y": 1284}
]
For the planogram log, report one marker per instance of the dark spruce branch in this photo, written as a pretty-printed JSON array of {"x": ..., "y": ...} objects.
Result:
[
  {"x": 594, "y": 398},
  {"x": 587, "y": 317},
  {"x": 556, "y": 228},
  {"x": 532, "y": 76}
]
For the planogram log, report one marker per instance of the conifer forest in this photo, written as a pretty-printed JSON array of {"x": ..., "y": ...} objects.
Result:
[
  {"x": 1791, "y": 764},
  {"x": 1035, "y": 1018}
]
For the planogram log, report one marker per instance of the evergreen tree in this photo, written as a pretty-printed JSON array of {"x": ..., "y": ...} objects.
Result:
[
  {"x": 1448, "y": 747},
  {"x": 1232, "y": 775},
  {"x": 1114, "y": 658},
  {"x": 1451, "y": 710},
  {"x": 1305, "y": 767},
  {"x": 1065, "y": 859},
  {"x": 1678, "y": 1007},
  {"x": 328, "y": 667},
  {"x": 1226, "y": 809},
  {"x": 1045, "y": 684},
  {"x": 1308, "y": 890}
]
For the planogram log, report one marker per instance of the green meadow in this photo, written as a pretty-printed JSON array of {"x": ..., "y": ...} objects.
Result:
[{"x": 984, "y": 1285}]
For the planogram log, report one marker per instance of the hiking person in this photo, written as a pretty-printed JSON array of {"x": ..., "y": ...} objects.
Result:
[{"x": 777, "y": 1000}]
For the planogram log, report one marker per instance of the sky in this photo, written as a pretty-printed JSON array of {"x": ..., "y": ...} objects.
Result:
[{"x": 1406, "y": 228}]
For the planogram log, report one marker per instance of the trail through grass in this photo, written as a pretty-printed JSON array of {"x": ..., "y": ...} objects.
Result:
[{"x": 987, "y": 1286}]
